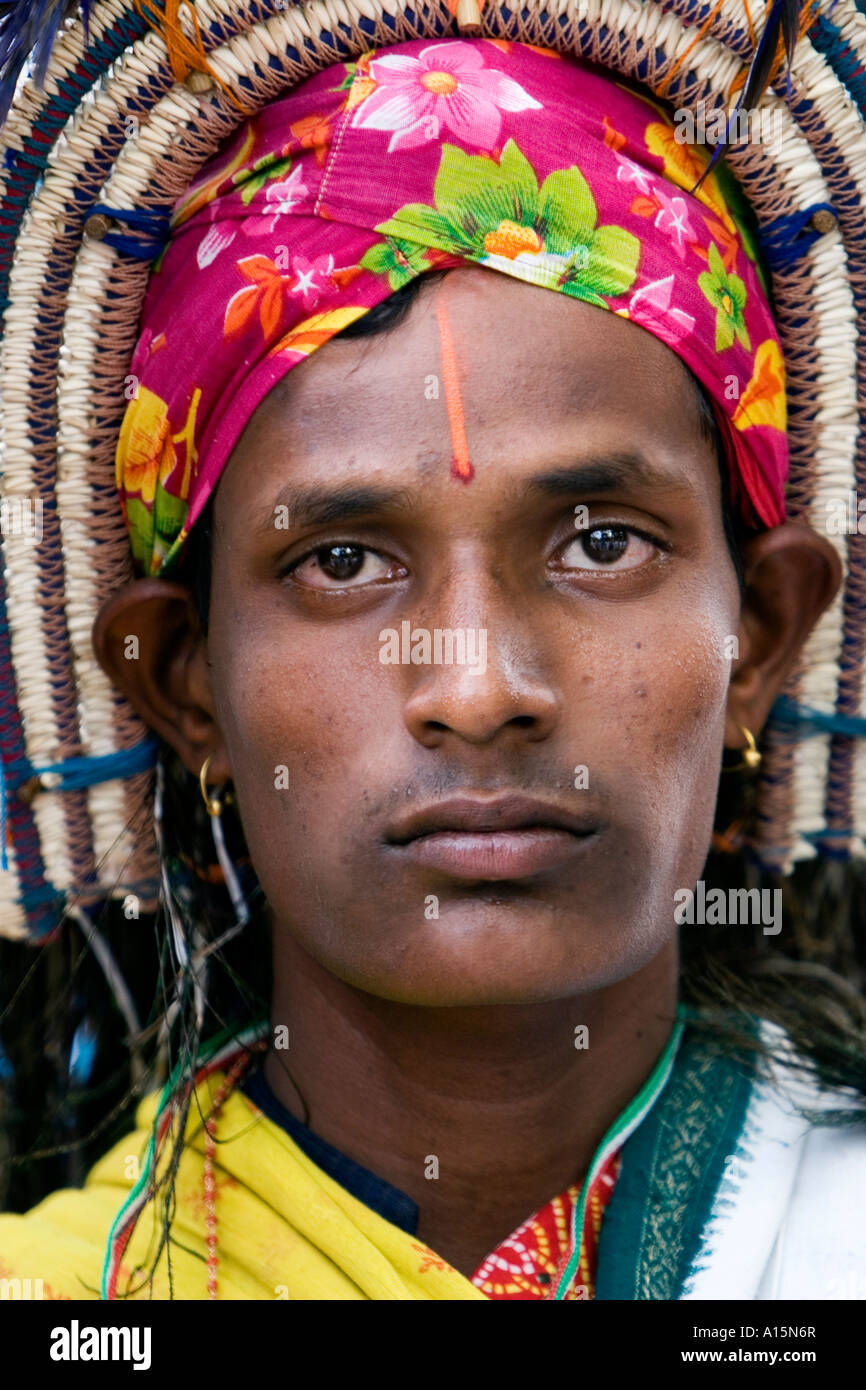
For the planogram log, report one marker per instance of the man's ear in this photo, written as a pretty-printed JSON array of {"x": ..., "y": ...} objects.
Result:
[
  {"x": 148, "y": 639},
  {"x": 792, "y": 574}
]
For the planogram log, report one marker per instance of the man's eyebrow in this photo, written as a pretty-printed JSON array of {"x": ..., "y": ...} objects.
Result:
[
  {"x": 320, "y": 506},
  {"x": 607, "y": 474},
  {"x": 327, "y": 505}
]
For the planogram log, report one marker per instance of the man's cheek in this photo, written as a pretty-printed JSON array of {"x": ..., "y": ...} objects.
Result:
[
  {"x": 295, "y": 767},
  {"x": 701, "y": 670},
  {"x": 667, "y": 701}
]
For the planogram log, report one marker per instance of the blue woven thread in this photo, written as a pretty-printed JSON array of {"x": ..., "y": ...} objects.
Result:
[
  {"x": 787, "y": 238},
  {"x": 77, "y": 773},
  {"x": 152, "y": 226},
  {"x": 827, "y": 38},
  {"x": 802, "y": 721},
  {"x": 142, "y": 219},
  {"x": 145, "y": 251}
]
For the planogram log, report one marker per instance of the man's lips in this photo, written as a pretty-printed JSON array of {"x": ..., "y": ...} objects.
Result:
[{"x": 505, "y": 838}]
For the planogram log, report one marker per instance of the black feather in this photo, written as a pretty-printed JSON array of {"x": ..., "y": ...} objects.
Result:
[
  {"x": 783, "y": 18},
  {"x": 790, "y": 28}
]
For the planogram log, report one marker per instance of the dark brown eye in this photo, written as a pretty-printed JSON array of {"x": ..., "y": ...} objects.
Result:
[
  {"x": 341, "y": 561},
  {"x": 607, "y": 546},
  {"x": 604, "y": 544},
  {"x": 343, "y": 565}
]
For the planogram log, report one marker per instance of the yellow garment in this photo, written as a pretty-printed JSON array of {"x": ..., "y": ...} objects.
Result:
[{"x": 285, "y": 1229}]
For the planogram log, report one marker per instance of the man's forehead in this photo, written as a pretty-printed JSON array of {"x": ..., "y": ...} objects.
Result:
[
  {"x": 519, "y": 359},
  {"x": 488, "y": 387}
]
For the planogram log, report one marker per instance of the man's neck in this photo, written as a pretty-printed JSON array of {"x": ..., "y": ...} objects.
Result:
[{"x": 481, "y": 1115}]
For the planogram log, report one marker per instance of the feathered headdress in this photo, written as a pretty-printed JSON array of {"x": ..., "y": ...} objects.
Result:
[
  {"x": 74, "y": 756},
  {"x": 28, "y": 31}
]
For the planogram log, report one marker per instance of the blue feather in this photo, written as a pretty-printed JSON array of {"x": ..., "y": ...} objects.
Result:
[
  {"x": 82, "y": 1053},
  {"x": 6, "y": 1069},
  {"x": 28, "y": 29}
]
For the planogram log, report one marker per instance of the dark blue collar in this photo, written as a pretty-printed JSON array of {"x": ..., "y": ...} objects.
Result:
[{"x": 373, "y": 1191}]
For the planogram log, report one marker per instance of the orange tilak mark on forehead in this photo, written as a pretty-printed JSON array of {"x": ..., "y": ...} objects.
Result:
[{"x": 460, "y": 465}]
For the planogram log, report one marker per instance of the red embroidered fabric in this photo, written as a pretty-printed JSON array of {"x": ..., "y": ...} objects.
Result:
[{"x": 525, "y": 1265}]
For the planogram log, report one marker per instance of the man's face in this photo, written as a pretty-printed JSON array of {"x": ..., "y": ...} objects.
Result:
[{"x": 513, "y": 828}]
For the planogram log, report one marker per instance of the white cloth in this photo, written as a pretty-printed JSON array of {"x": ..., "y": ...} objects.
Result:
[{"x": 789, "y": 1218}]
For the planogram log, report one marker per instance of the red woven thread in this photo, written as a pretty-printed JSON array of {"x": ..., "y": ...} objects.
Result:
[{"x": 209, "y": 1182}]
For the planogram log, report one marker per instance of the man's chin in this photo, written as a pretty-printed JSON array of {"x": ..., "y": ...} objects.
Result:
[{"x": 497, "y": 948}]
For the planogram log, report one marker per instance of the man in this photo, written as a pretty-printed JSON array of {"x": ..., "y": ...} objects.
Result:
[{"x": 471, "y": 866}]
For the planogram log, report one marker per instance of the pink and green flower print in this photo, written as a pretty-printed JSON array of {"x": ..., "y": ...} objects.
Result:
[
  {"x": 494, "y": 212},
  {"x": 425, "y": 155}
]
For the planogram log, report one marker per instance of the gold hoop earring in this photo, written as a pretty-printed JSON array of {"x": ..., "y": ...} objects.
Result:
[
  {"x": 751, "y": 759},
  {"x": 213, "y": 803}
]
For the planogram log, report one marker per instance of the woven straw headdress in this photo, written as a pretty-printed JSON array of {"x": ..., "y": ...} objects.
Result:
[{"x": 131, "y": 106}]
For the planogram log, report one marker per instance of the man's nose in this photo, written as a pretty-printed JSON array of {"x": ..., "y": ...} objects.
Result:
[{"x": 495, "y": 680}]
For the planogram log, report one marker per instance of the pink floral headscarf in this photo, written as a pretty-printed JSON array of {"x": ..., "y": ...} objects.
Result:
[{"x": 417, "y": 157}]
